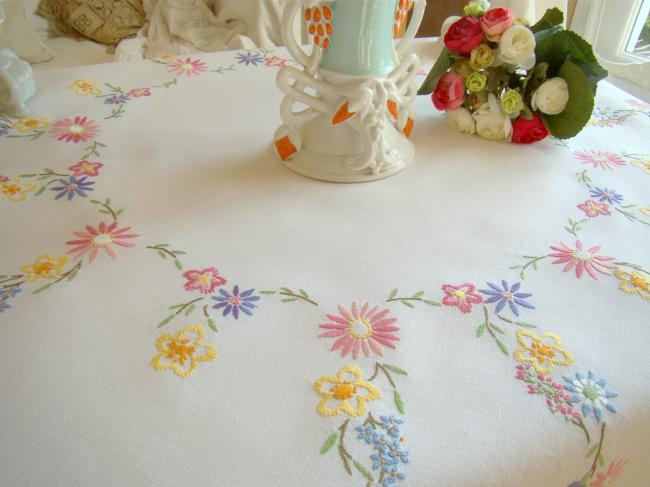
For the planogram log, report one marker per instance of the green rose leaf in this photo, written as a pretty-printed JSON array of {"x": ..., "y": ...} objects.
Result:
[
  {"x": 552, "y": 18},
  {"x": 579, "y": 108},
  {"x": 555, "y": 46},
  {"x": 443, "y": 63}
]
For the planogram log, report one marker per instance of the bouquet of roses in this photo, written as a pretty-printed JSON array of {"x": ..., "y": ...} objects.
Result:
[{"x": 506, "y": 80}]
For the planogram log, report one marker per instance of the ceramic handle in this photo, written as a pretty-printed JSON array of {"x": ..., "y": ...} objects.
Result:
[
  {"x": 414, "y": 25},
  {"x": 288, "y": 19}
]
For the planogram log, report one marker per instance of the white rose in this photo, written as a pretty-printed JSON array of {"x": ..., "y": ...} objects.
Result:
[
  {"x": 491, "y": 122},
  {"x": 517, "y": 46},
  {"x": 551, "y": 97},
  {"x": 461, "y": 120},
  {"x": 447, "y": 23}
]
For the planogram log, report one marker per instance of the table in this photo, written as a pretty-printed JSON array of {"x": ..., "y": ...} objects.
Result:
[{"x": 180, "y": 309}]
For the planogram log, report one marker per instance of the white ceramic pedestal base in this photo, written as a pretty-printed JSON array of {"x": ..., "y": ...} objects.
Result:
[{"x": 325, "y": 166}]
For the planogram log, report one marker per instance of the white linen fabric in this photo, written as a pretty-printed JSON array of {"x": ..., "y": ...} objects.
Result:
[{"x": 178, "y": 151}]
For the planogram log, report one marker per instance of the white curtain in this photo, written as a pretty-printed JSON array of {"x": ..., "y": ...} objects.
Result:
[{"x": 532, "y": 9}]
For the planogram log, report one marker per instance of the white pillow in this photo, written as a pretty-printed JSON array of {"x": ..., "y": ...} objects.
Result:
[{"x": 18, "y": 34}]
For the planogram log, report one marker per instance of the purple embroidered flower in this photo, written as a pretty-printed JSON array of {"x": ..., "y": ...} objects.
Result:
[
  {"x": 4, "y": 306},
  {"x": 117, "y": 99},
  {"x": 247, "y": 58},
  {"x": 9, "y": 292},
  {"x": 4, "y": 129},
  {"x": 235, "y": 302},
  {"x": 507, "y": 295},
  {"x": 73, "y": 186},
  {"x": 609, "y": 195}
]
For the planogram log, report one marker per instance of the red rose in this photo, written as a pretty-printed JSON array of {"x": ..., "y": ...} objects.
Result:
[
  {"x": 528, "y": 131},
  {"x": 464, "y": 35},
  {"x": 449, "y": 92}
]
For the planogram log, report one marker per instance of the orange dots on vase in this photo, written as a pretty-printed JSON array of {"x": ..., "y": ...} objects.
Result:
[
  {"x": 401, "y": 15},
  {"x": 318, "y": 24}
]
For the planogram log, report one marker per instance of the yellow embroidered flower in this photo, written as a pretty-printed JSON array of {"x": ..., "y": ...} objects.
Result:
[
  {"x": 31, "y": 123},
  {"x": 167, "y": 58},
  {"x": 542, "y": 352},
  {"x": 342, "y": 390},
  {"x": 14, "y": 189},
  {"x": 643, "y": 164},
  {"x": 645, "y": 211},
  {"x": 182, "y": 352},
  {"x": 45, "y": 267},
  {"x": 84, "y": 87},
  {"x": 633, "y": 282}
]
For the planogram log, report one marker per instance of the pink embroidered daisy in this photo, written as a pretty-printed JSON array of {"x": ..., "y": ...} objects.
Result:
[
  {"x": 462, "y": 296},
  {"x": 187, "y": 67},
  {"x": 102, "y": 237},
  {"x": 203, "y": 280},
  {"x": 138, "y": 92},
  {"x": 361, "y": 330},
  {"x": 76, "y": 130},
  {"x": 600, "y": 159},
  {"x": 594, "y": 208},
  {"x": 86, "y": 168},
  {"x": 639, "y": 104},
  {"x": 276, "y": 61},
  {"x": 582, "y": 260}
]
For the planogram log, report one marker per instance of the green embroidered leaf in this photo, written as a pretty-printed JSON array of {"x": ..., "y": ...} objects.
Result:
[
  {"x": 522, "y": 274},
  {"x": 106, "y": 212},
  {"x": 503, "y": 347},
  {"x": 419, "y": 294},
  {"x": 30, "y": 175},
  {"x": 178, "y": 264},
  {"x": 162, "y": 254},
  {"x": 40, "y": 191},
  {"x": 162, "y": 245},
  {"x": 212, "y": 325},
  {"x": 497, "y": 329},
  {"x": 72, "y": 276},
  {"x": 176, "y": 306},
  {"x": 119, "y": 212},
  {"x": 407, "y": 303},
  {"x": 179, "y": 252},
  {"x": 286, "y": 290},
  {"x": 393, "y": 293},
  {"x": 268, "y": 293},
  {"x": 329, "y": 443},
  {"x": 165, "y": 321},
  {"x": 396, "y": 369},
  {"x": 525, "y": 324},
  {"x": 443, "y": 63},
  {"x": 399, "y": 402},
  {"x": 432, "y": 303},
  {"x": 107, "y": 201},
  {"x": 190, "y": 309},
  {"x": 592, "y": 450},
  {"x": 363, "y": 471},
  {"x": 480, "y": 330},
  {"x": 96, "y": 202},
  {"x": 289, "y": 300},
  {"x": 601, "y": 459},
  {"x": 42, "y": 288}
]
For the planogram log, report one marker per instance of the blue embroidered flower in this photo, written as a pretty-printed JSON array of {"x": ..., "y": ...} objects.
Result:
[
  {"x": 391, "y": 425},
  {"x": 247, "y": 58},
  {"x": 382, "y": 461},
  {"x": 590, "y": 391},
  {"x": 396, "y": 452},
  {"x": 394, "y": 475},
  {"x": 10, "y": 292},
  {"x": 609, "y": 195},
  {"x": 117, "y": 99},
  {"x": 4, "y": 305},
  {"x": 4, "y": 129},
  {"x": 507, "y": 295},
  {"x": 73, "y": 186},
  {"x": 235, "y": 302},
  {"x": 381, "y": 443},
  {"x": 366, "y": 433}
]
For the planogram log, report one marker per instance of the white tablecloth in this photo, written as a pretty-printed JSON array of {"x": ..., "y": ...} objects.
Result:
[{"x": 180, "y": 309}]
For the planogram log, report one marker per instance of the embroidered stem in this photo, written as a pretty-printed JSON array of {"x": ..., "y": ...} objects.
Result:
[
  {"x": 523, "y": 324},
  {"x": 632, "y": 266},
  {"x": 70, "y": 275},
  {"x": 594, "y": 464},
  {"x": 34, "y": 135},
  {"x": 163, "y": 251},
  {"x": 168, "y": 84},
  {"x": 71, "y": 271},
  {"x": 370, "y": 419},
  {"x": 492, "y": 328},
  {"x": 116, "y": 112},
  {"x": 407, "y": 301},
  {"x": 575, "y": 226},
  {"x": 584, "y": 179},
  {"x": 171, "y": 253},
  {"x": 293, "y": 296},
  {"x": 581, "y": 424},
  {"x": 343, "y": 453},
  {"x": 533, "y": 260},
  {"x": 12, "y": 278},
  {"x": 116, "y": 89},
  {"x": 184, "y": 306},
  {"x": 630, "y": 216},
  {"x": 15, "y": 284},
  {"x": 379, "y": 366},
  {"x": 92, "y": 150}
]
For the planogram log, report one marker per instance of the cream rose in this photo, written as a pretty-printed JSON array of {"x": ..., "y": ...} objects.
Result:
[
  {"x": 446, "y": 24},
  {"x": 551, "y": 97},
  {"x": 517, "y": 46},
  {"x": 461, "y": 120},
  {"x": 491, "y": 122},
  {"x": 481, "y": 57}
]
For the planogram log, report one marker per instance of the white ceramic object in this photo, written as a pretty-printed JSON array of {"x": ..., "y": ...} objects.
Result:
[
  {"x": 16, "y": 84},
  {"x": 355, "y": 127}
]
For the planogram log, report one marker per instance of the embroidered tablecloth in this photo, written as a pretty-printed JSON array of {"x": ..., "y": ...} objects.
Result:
[{"x": 178, "y": 308}]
